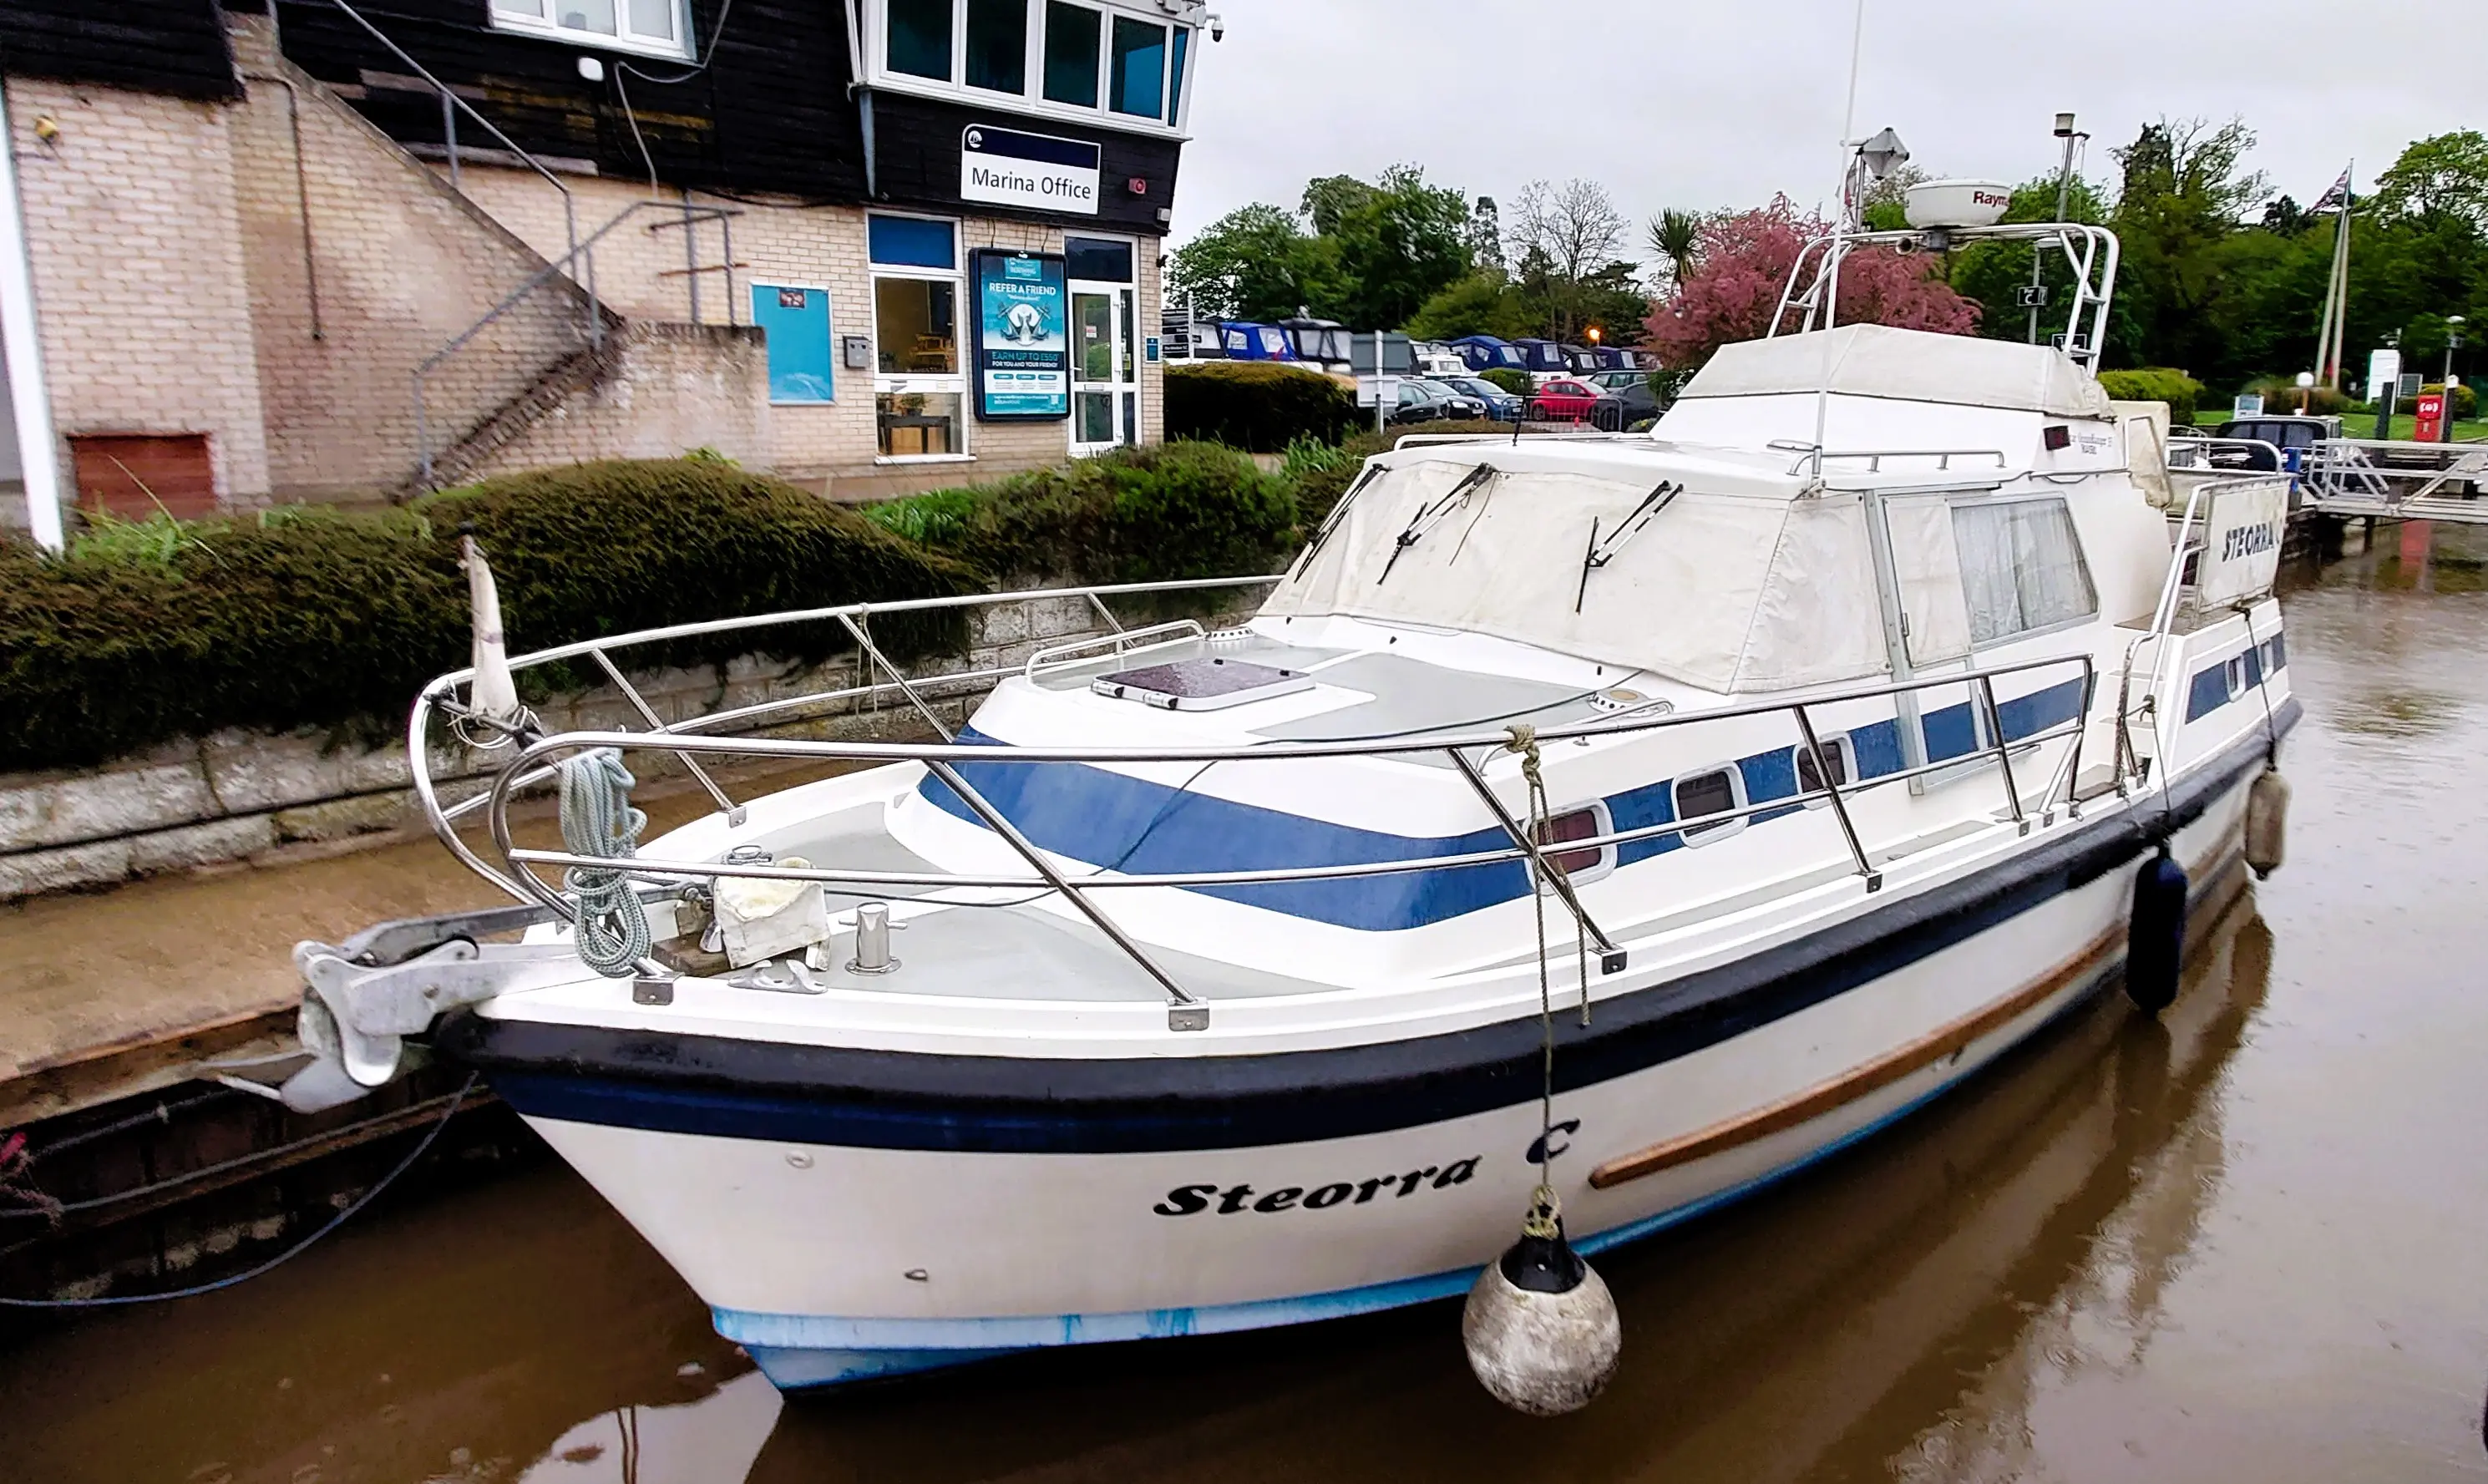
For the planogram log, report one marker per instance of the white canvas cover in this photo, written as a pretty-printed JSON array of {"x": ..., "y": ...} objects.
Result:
[
  {"x": 1875, "y": 360},
  {"x": 1729, "y": 592}
]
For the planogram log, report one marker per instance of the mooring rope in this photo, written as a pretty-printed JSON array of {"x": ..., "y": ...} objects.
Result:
[{"x": 611, "y": 931}]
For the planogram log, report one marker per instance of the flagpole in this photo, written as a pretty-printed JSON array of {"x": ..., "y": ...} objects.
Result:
[{"x": 2341, "y": 269}]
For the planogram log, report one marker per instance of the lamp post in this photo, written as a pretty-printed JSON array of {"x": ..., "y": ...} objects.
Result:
[
  {"x": 2306, "y": 391},
  {"x": 2452, "y": 342},
  {"x": 2064, "y": 198}
]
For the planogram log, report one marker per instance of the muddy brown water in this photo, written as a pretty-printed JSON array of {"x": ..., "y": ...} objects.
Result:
[{"x": 2248, "y": 1241}]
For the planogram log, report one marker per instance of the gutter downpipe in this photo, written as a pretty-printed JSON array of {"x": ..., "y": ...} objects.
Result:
[
  {"x": 30, "y": 401},
  {"x": 302, "y": 194}
]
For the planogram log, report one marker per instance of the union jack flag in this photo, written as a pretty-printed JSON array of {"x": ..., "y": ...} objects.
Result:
[{"x": 2336, "y": 199}]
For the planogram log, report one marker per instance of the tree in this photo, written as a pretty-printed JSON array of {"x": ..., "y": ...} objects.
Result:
[
  {"x": 1485, "y": 236},
  {"x": 2444, "y": 176},
  {"x": 1742, "y": 267},
  {"x": 1255, "y": 263},
  {"x": 2182, "y": 201},
  {"x": 1396, "y": 244},
  {"x": 1568, "y": 236},
  {"x": 1673, "y": 238},
  {"x": 1480, "y": 304}
]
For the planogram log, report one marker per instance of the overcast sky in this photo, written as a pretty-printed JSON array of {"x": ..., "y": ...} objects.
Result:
[{"x": 1709, "y": 105}]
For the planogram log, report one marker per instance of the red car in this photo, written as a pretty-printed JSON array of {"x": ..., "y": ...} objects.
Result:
[{"x": 1562, "y": 401}]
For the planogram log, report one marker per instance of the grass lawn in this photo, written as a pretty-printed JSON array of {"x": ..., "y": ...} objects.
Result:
[{"x": 2362, "y": 424}]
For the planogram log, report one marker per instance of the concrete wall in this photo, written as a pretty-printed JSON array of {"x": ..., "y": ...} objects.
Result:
[
  {"x": 140, "y": 290},
  {"x": 237, "y": 796}
]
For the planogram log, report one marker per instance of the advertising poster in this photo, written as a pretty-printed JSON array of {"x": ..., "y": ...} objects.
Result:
[{"x": 1023, "y": 344}]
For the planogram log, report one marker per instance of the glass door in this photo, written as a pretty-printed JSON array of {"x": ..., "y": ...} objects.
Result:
[{"x": 1105, "y": 370}]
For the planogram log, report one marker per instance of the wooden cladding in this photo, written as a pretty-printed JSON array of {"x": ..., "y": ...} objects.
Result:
[
  {"x": 1857, "y": 1081},
  {"x": 134, "y": 474}
]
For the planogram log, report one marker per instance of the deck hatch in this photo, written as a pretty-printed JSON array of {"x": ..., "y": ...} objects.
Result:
[{"x": 1201, "y": 685}]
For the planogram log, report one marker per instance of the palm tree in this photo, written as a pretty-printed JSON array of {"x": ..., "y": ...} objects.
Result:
[{"x": 1674, "y": 237}]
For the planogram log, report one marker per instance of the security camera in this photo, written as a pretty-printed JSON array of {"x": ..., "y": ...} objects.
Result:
[{"x": 1218, "y": 28}]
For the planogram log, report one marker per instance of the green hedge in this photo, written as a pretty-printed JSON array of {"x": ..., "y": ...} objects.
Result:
[
  {"x": 149, "y": 633},
  {"x": 2156, "y": 383},
  {"x": 1255, "y": 405},
  {"x": 1132, "y": 515}
]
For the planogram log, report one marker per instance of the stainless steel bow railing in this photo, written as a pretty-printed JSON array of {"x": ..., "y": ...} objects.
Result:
[{"x": 690, "y": 739}]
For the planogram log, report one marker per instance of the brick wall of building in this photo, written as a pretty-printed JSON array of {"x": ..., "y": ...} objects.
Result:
[
  {"x": 138, "y": 271},
  {"x": 402, "y": 264},
  {"x": 642, "y": 270},
  {"x": 674, "y": 388}
]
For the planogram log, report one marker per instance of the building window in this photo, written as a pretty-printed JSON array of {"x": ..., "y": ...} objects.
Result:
[
  {"x": 1139, "y": 69},
  {"x": 1174, "y": 76},
  {"x": 635, "y": 25},
  {"x": 918, "y": 386},
  {"x": 797, "y": 320},
  {"x": 1072, "y": 33},
  {"x": 2021, "y": 569},
  {"x": 919, "y": 38},
  {"x": 998, "y": 46}
]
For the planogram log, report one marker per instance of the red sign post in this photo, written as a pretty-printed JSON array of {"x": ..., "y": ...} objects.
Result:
[{"x": 2430, "y": 408}]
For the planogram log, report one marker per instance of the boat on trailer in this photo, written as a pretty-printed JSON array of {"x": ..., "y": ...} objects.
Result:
[{"x": 1785, "y": 766}]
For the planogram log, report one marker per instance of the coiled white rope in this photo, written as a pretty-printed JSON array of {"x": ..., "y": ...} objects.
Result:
[{"x": 611, "y": 931}]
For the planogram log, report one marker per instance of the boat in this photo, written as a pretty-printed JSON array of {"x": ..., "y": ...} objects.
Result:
[{"x": 1644, "y": 816}]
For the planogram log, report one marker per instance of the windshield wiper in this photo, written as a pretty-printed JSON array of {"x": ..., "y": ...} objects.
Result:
[
  {"x": 1430, "y": 516},
  {"x": 1337, "y": 517},
  {"x": 1601, "y": 552}
]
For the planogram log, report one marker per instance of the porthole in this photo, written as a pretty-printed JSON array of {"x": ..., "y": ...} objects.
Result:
[
  {"x": 1584, "y": 821},
  {"x": 1839, "y": 752},
  {"x": 1709, "y": 791}
]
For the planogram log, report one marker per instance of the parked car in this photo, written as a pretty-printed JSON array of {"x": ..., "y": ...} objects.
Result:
[
  {"x": 1422, "y": 401},
  {"x": 2293, "y": 436},
  {"x": 1616, "y": 381},
  {"x": 1563, "y": 400},
  {"x": 1624, "y": 406},
  {"x": 1500, "y": 405}
]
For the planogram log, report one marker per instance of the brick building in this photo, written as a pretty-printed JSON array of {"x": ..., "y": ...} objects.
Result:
[{"x": 284, "y": 250}]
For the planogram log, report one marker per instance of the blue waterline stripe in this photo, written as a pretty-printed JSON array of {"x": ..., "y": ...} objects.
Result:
[{"x": 977, "y": 1338}]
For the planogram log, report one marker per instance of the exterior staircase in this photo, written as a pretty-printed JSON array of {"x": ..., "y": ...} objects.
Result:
[{"x": 580, "y": 371}]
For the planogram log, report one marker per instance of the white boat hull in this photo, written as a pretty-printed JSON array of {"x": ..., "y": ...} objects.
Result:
[{"x": 832, "y": 1262}]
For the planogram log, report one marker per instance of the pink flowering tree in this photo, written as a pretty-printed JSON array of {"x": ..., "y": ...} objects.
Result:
[{"x": 1742, "y": 262}]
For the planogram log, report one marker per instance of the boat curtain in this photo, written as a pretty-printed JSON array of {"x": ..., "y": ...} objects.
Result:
[{"x": 2020, "y": 568}]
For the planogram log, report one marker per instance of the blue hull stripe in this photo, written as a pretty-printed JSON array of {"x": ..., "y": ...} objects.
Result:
[{"x": 1118, "y": 823}]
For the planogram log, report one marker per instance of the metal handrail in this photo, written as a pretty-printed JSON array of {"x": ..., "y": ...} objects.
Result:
[
  {"x": 450, "y": 101},
  {"x": 1875, "y": 457},
  {"x": 1187, "y": 1011},
  {"x": 1123, "y": 641},
  {"x": 580, "y": 252}
]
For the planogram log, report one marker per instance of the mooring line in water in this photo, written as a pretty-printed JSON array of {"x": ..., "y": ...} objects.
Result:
[{"x": 113, "y": 1301}]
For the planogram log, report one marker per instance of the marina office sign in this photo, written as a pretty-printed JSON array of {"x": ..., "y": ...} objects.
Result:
[{"x": 1040, "y": 171}]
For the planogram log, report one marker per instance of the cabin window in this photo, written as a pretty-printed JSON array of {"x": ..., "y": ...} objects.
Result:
[
  {"x": 998, "y": 46},
  {"x": 920, "y": 38},
  {"x": 1587, "y": 822},
  {"x": 628, "y": 25},
  {"x": 2022, "y": 568},
  {"x": 1139, "y": 70},
  {"x": 1712, "y": 791},
  {"x": 918, "y": 386},
  {"x": 1073, "y": 34},
  {"x": 2234, "y": 675},
  {"x": 1838, "y": 753}
]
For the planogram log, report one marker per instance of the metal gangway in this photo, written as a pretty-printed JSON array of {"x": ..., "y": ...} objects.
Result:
[{"x": 2396, "y": 480}]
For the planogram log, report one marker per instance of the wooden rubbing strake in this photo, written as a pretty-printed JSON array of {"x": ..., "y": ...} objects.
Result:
[{"x": 1855, "y": 1083}]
